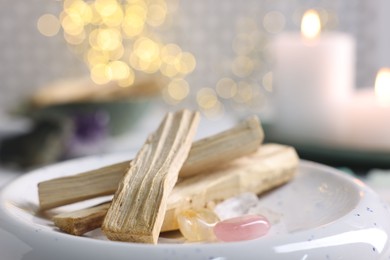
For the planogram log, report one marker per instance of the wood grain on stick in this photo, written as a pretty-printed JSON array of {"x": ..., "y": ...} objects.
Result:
[
  {"x": 81, "y": 221},
  {"x": 66, "y": 190},
  {"x": 137, "y": 211},
  {"x": 271, "y": 166},
  {"x": 213, "y": 151},
  {"x": 208, "y": 153}
]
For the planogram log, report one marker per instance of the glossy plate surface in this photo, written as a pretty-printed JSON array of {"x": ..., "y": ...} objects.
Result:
[{"x": 321, "y": 214}]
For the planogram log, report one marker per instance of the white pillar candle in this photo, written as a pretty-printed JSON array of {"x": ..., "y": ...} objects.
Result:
[
  {"x": 368, "y": 116},
  {"x": 313, "y": 75}
]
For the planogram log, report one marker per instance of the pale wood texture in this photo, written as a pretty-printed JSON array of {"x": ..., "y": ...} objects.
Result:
[
  {"x": 137, "y": 211},
  {"x": 66, "y": 190},
  {"x": 216, "y": 150},
  {"x": 81, "y": 221},
  {"x": 243, "y": 139},
  {"x": 271, "y": 166}
]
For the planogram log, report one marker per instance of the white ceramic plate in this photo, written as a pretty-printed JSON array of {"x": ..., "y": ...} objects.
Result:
[{"x": 322, "y": 214}]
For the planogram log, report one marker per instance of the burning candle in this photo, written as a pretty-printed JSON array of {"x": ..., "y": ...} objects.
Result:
[
  {"x": 311, "y": 25},
  {"x": 382, "y": 87},
  {"x": 314, "y": 75},
  {"x": 368, "y": 114}
]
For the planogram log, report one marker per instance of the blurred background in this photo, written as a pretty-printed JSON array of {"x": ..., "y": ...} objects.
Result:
[{"x": 81, "y": 77}]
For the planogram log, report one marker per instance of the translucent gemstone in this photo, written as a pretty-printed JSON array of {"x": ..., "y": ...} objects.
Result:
[
  {"x": 197, "y": 225},
  {"x": 241, "y": 228},
  {"x": 236, "y": 206}
]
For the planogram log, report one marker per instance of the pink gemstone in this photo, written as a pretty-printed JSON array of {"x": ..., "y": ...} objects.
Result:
[{"x": 241, "y": 228}]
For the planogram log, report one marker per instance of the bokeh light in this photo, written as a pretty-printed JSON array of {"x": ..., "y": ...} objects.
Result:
[
  {"x": 72, "y": 23},
  {"x": 146, "y": 49},
  {"x": 274, "y": 22},
  {"x": 242, "y": 66},
  {"x": 76, "y": 39},
  {"x": 185, "y": 63},
  {"x": 206, "y": 98},
  {"x": 157, "y": 13},
  {"x": 169, "y": 53},
  {"x": 226, "y": 88},
  {"x": 129, "y": 81},
  {"x": 243, "y": 44},
  {"x": 267, "y": 81},
  {"x": 118, "y": 70},
  {"x": 178, "y": 89},
  {"x": 245, "y": 92},
  {"x": 100, "y": 74},
  {"x": 116, "y": 39},
  {"x": 217, "y": 110},
  {"x": 108, "y": 39},
  {"x": 48, "y": 25}
]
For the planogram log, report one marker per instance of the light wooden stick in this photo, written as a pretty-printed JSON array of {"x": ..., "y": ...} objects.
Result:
[
  {"x": 243, "y": 139},
  {"x": 137, "y": 210},
  {"x": 81, "y": 221},
  {"x": 67, "y": 190},
  {"x": 270, "y": 167},
  {"x": 216, "y": 150}
]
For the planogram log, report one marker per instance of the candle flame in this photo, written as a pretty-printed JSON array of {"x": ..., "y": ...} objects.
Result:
[
  {"x": 311, "y": 24},
  {"x": 382, "y": 86}
]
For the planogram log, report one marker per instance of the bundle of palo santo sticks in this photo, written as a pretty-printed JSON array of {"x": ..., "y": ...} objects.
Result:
[{"x": 170, "y": 173}]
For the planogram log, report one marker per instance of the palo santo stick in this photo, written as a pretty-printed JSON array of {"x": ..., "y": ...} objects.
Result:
[
  {"x": 81, "y": 221},
  {"x": 243, "y": 139},
  {"x": 95, "y": 183},
  {"x": 216, "y": 150},
  {"x": 271, "y": 166},
  {"x": 137, "y": 210}
]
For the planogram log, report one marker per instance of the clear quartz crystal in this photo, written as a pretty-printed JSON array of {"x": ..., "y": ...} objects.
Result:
[
  {"x": 236, "y": 206},
  {"x": 197, "y": 225}
]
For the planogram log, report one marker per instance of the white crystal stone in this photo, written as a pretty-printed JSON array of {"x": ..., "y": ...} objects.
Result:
[
  {"x": 236, "y": 206},
  {"x": 246, "y": 204}
]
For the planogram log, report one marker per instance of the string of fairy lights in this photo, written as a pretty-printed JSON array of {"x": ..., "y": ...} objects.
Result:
[{"x": 117, "y": 40}]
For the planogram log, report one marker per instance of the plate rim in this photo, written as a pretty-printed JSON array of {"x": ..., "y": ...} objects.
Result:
[{"x": 131, "y": 246}]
